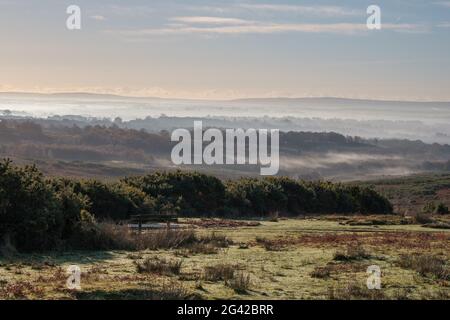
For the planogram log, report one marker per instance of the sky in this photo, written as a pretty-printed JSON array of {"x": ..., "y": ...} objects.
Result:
[{"x": 225, "y": 49}]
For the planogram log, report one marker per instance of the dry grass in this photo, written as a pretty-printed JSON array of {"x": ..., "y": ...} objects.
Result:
[
  {"x": 321, "y": 272},
  {"x": 166, "y": 239},
  {"x": 171, "y": 290},
  {"x": 222, "y": 223},
  {"x": 355, "y": 291},
  {"x": 351, "y": 253},
  {"x": 19, "y": 290},
  {"x": 400, "y": 240},
  {"x": 175, "y": 291},
  {"x": 305, "y": 271},
  {"x": 202, "y": 248},
  {"x": 219, "y": 272},
  {"x": 337, "y": 269},
  {"x": 159, "y": 266},
  {"x": 217, "y": 240},
  {"x": 240, "y": 282},
  {"x": 426, "y": 265},
  {"x": 108, "y": 236},
  {"x": 438, "y": 225},
  {"x": 271, "y": 245},
  {"x": 206, "y": 244}
]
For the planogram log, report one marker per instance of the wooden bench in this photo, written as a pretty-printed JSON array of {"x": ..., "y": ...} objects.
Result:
[{"x": 139, "y": 219}]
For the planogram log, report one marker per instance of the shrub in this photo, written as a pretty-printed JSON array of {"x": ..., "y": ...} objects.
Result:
[
  {"x": 116, "y": 201},
  {"x": 368, "y": 201},
  {"x": 30, "y": 214},
  {"x": 193, "y": 192},
  {"x": 441, "y": 208},
  {"x": 299, "y": 197},
  {"x": 39, "y": 214},
  {"x": 263, "y": 197},
  {"x": 259, "y": 197},
  {"x": 74, "y": 206},
  {"x": 426, "y": 265}
]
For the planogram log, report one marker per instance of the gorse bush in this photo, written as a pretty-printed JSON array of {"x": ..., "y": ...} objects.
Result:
[
  {"x": 30, "y": 214},
  {"x": 292, "y": 197},
  {"x": 113, "y": 201},
  {"x": 191, "y": 193},
  {"x": 40, "y": 214}
]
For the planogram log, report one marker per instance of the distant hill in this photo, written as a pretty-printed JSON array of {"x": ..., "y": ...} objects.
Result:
[
  {"x": 340, "y": 101},
  {"x": 276, "y": 100}
]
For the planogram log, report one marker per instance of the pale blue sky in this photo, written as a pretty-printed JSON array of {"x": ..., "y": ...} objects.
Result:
[{"x": 228, "y": 49}]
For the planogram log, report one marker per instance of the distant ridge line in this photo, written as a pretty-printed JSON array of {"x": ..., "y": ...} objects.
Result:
[{"x": 238, "y": 100}]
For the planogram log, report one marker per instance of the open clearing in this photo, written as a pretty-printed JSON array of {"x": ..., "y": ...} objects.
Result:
[{"x": 314, "y": 258}]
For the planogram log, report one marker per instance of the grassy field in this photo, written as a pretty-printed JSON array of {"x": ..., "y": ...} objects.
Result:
[{"x": 311, "y": 258}]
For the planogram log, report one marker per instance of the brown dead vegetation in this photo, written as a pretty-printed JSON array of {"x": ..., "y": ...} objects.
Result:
[
  {"x": 405, "y": 240},
  {"x": 222, "y": 223}
]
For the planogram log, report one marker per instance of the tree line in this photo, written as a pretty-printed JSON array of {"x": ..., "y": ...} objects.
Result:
[{"x": 39, "y": 213}]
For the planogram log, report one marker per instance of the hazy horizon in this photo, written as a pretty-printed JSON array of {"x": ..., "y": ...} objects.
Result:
[
  {"x": 365, "y": 118},
  {"x": 262, "y": 98}
]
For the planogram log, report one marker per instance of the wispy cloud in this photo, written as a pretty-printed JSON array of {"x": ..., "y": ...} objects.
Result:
[
  {"x": 443, "y": 3},
  {"x": 318, "y": 10},
  {"x": 211, "y": 20},
  {"x": 248, "y": 27}
]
